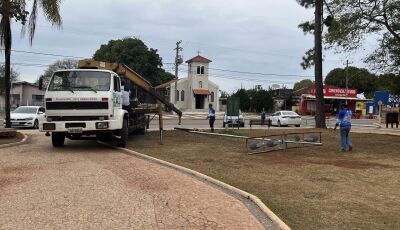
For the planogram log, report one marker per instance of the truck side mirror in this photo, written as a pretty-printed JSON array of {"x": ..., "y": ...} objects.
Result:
[{"x": 41, "y": 83}]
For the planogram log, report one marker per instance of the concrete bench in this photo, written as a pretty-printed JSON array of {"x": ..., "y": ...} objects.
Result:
[{"x": 8, "y": 132}]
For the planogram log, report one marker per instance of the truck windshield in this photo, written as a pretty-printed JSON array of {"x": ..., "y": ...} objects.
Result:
[{"x": 80, "y": 81}]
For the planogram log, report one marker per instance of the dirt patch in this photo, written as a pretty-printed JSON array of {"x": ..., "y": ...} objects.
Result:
[
  {"x": 15, "y": 175},
  {"x": 8, "y": 140},
  {"x": 309, "y": 188}
]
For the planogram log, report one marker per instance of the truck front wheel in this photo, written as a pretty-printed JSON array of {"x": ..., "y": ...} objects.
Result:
[
  {"x": 123, "y": 134},
  {"x": 58, "y": 139}
]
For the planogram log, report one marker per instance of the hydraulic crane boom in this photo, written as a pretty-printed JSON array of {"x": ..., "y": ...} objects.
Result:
[{"x": 131, "y": 75}]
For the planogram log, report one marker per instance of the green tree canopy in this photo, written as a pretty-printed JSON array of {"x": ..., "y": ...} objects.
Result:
[
  {"x": 302, "y": 84},
  {"x": 359, "y": 78},
  {"x": 137, "y": 56},
  {"x": 254, "y": 99},
  {"x": 14, "y": 77},
  {"x": 350, "y": 22},
  {"x": 389, "y": 82}
]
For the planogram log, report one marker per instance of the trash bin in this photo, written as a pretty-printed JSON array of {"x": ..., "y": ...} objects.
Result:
[{"x": 392, "y": 118}]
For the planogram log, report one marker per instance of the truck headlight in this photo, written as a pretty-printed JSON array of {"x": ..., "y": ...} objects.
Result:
[{"x": 101, "y": 125}]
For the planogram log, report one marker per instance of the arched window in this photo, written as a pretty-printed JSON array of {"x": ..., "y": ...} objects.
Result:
[
  {"x": 177, "y": 95},
  {"x": 198, "y": 70},
  {"x": 212, "y": 96},
  {"x": 183, "y": 95},
  {"x": 202, "y": 70},
  {"x": 200, "y": 84}
]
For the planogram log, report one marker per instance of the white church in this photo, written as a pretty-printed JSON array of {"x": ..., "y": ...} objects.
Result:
[{"x": 196, "y": 91}]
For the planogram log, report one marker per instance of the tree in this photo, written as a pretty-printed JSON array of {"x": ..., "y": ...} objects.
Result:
[
  {"x": 58, "y": 65},
  {"x": 389, "y": 82},
  {"x": 16, "y": 10},
  {"x": 350, "y": 22},
  {"x": 302, "y": 84},
  {"x": 358, "y": 78},
  {"x": 262, "y": 99},
  {"x": 316, "y": 53},
  {"x": 244, "y": 99},
  {"x": 14, "y": 75},
  {"x": 137, "y": 56}
]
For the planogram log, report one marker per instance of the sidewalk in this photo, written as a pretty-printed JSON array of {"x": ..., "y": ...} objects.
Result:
[{"x": 85, "y": 185}]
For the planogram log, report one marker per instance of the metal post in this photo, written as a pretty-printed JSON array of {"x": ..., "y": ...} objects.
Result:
[
  {"x": 160, "y": 122},
  {"x": 177, "y": 62}
]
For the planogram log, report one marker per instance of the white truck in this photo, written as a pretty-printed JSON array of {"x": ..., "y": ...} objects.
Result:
[{"x": 85, "y": 103}]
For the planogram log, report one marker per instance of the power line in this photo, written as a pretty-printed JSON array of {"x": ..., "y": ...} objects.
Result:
[{"x": 46, "y": 54}]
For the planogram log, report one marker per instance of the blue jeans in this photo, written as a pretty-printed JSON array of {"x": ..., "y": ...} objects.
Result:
[{"x": 345, "y": 139}]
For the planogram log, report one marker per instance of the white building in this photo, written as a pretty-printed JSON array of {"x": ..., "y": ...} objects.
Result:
[
  {"x": 23, "y": 93},
  {"x": 196, "y": 91}
]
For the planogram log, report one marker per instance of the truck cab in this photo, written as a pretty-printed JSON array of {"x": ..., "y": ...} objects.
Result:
[{"x": 84, "y": 102}]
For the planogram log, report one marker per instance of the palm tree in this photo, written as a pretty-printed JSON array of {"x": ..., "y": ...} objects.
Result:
[{"x": 16, "y": 10}]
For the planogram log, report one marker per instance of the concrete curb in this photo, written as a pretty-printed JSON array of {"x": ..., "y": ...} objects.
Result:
[
  {"x": 23, "y": 141},
  {"x": 271, "y": 215}
]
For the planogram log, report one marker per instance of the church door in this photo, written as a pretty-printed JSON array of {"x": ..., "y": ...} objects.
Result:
[{"x": 200, "y": 101}]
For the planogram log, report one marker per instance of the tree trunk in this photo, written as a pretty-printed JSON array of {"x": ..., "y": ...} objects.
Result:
[
  {"x": 7, "y": 57},
  {"x": 319, "y": 94}
]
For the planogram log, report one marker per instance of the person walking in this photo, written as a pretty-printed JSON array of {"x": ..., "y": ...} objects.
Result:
[
  {"x": 344, "y": 122},
  {"x": 262, "y": 114},
  {"x": 211, "y": 116}
]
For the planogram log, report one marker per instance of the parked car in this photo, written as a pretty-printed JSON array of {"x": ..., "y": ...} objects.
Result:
[
  {"x": 27, "y": 116},
  {"x": 233, "y": 120},
  {"x": 285, "y": 118}
]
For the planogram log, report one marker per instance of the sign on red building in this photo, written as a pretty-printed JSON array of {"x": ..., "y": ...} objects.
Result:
[{"x": 330, "y": 91}]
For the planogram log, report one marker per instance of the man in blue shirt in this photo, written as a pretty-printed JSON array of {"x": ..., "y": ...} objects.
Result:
[
  {"x": 344, "y": 122},
  {"x": 211, "y": 116}
]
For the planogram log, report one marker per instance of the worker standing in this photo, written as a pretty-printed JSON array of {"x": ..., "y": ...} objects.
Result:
[
  {"x": 344, "y": 122},
  {"x": 125, "y": 98},
  {"x": 262, "y": 116},
  {"x": 211, "y": 116}
]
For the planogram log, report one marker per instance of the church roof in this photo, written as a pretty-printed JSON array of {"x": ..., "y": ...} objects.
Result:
[
  {"x": 199, "y": 58},
  {"x": 165, "y": 85}
]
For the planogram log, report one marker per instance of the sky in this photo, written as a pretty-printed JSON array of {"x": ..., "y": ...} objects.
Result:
[{"x": 259, "y": 37}]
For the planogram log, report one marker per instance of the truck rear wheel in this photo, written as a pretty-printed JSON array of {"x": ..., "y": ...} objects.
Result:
[
  {"x": 58, "y": 139},
  {"x": 123, "y": 134}
]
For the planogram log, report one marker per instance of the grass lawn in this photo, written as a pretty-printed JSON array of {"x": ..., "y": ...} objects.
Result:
[
  {"x": 309, "y": 188},
  {"x": 8, "y": 140}
]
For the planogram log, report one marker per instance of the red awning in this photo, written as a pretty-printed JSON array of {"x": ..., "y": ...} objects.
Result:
[{"x": 201, "y": 92}]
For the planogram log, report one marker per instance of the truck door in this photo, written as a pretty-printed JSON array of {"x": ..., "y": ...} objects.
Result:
[{"x": 117, "y": 103}]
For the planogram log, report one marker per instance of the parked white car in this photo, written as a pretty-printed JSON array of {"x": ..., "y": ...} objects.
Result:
[
  {"x": 285, "y": 118},
  {"x": 27, "y": 116},
  {"x": 233, "y": 120}
]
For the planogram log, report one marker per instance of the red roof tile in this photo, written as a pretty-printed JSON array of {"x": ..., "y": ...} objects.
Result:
[
  {"x": 201, "y": 92},
  {"x": 165, "y": 85},
  {"x": 198, "y": 58}
]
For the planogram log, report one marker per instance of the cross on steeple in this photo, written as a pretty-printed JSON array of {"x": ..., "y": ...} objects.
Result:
[{"x": 198, "y": 52}]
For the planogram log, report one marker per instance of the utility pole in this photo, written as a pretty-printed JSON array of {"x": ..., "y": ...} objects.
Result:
[
  {"x": 347, "y": 79},
  {"x": 178, "y": 61},
  {"x": 319, "y": 87}
]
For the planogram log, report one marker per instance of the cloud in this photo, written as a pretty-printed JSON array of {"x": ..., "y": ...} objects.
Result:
[{"x": 256, "y": 36}]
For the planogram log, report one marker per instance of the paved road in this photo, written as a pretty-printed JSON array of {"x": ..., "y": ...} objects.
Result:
[{"x": 87, "y": 186}]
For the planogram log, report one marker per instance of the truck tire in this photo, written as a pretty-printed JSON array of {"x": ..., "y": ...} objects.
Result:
[
  {"x": 242, "y": 124},
  {"x": 123, "y": 133},
  {"x": 58, "y": 139},
  {"x": 223, "y": 124},
  {"x": 103, "y": 137}
]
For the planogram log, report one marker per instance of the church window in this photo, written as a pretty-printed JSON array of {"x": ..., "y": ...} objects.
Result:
[
  {"x": 198, "y": 69},
  {"x": 202, "y": 70},
  {"x": 212, "y": 96},
  {"x": 177, "y": 95},
  {"x": 182, "y": 95},
  {"x": 200, "y": 84}
]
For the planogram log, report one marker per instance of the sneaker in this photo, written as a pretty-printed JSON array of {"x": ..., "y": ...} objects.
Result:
[{"x": 350, "y": 148}]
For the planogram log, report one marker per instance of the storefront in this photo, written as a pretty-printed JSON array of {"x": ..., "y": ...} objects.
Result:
[{"x": 333, "y": 97}]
